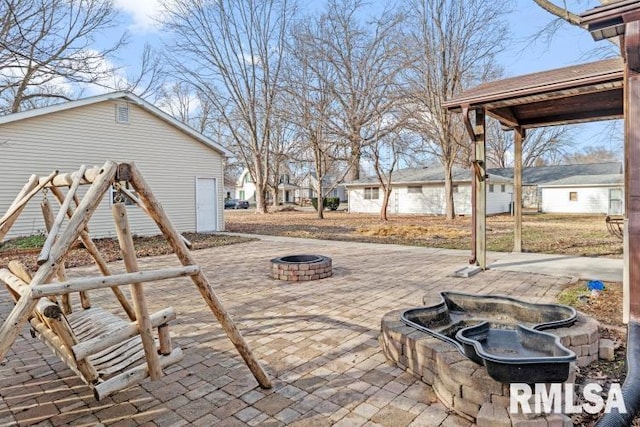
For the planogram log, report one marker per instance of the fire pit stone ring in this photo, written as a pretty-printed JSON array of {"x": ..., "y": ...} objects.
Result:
[{"x": 298, "y": 268}]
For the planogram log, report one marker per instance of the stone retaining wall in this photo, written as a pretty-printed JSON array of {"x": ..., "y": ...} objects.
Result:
[{"x": 466, "y": 387}]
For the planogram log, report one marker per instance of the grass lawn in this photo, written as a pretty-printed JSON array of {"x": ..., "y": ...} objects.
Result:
[{"x": 544, "y": 233}]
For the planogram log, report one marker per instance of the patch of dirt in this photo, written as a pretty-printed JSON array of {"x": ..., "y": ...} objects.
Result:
[{"x": 145, "y": 246}]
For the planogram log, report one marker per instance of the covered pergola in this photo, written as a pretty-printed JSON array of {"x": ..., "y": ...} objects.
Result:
[
  {"x": 576, "y": 94},
  {"x": 600, "y": 90}
]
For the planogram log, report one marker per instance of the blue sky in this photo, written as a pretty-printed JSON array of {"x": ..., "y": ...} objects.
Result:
[{"x": 570, "y": 45}]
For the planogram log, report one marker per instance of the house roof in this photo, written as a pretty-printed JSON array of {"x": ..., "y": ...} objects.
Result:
[
  {"x": 546, "y": 174},
  {"x": 115, "y": 96},
  {"x": 425, "y": 175},
  {"x": 586, "y": 181},
  {"x": 574, "y": 94}
]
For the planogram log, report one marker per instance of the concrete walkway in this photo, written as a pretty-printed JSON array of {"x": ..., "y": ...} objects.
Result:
[
  {"x": 317, "y": 340},
  {"x": 584, "y": 268}
]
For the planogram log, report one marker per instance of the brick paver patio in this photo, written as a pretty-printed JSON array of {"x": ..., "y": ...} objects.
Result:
[{"x": 317, "y": 340}]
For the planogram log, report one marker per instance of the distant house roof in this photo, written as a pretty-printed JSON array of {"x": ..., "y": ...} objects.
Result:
[
  {"x": 114, "y": 96},
  {"x": 425, "y": 175},
  {"x": 587, "y": 180},
  {"x": 545, "y": 174}
]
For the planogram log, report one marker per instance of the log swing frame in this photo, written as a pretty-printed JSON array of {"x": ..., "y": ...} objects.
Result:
[{"x": 84, "y": 339}]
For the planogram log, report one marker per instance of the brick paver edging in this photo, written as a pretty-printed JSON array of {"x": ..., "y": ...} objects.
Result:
[{"x": 466, "y": 387}]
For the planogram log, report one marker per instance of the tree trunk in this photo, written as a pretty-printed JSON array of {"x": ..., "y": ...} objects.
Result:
[
  {"x": 385, "y": 203},
  {"x": 320, "y": 198},
  {"x": 450, "y": 212}
]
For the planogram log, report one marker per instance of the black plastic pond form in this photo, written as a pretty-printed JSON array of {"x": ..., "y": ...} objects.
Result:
[{"x": 502, "y": 333}]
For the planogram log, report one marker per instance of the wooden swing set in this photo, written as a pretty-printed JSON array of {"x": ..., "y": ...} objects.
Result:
[{"x": 108, "y": 353}]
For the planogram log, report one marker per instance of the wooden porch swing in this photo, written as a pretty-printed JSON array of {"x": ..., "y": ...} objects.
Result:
[{"x": 108, "y": 353}]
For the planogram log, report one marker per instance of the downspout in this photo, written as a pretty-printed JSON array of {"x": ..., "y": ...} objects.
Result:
[
  {"x": 469, "y": 126},
  {"x": 630, "y": 389}
]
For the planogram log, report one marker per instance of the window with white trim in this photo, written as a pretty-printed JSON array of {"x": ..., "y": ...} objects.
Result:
[
  {"x": 371, "y": 193},
  {"x": 573, "y": 196},
  {"x": 502, "y": 188},
  {"x": 414, "y": 189},
  {"x": 490, "y": 188}
]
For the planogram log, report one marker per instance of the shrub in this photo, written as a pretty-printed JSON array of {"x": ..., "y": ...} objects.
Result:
[{"x": 330, "y": 203}]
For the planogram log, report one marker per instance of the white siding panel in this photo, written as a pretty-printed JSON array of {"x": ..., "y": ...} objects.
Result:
[
  {"x": 168, "y": 159},
  {"x": 498, "y": 201},
  {"x": 431, "y": 201},
  {"x": 590, "y": 200},
  {"x": 357, "y": 202}
]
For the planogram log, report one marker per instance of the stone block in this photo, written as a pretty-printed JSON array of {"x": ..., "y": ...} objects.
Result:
[
  {"x": 465, "y": 406},
  {"x": 584, "y": 361},
  {"x": 442, "y": 393},
  {"x": 558, "y": 420},
  {"x": 499, "y": 400},
  {"x": 594, "y": 347},
  {"x": 579, "y": 339},
  {"x": 492, "y": 416},
  {"x": 528, "y": 420},
  {"x": 585, "y": 350},
  {"x": 485, "y": 384},
  {"x": 473, "y": 395},
  {"x": 428, "y": 376}
]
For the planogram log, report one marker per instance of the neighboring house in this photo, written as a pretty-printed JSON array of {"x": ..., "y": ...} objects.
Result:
[
  {"x": 245, "y": 187},
  {"x": 309, "y": 184},
  {"x": 421, "y": 191},
  {"x": 534, "y": 177},
  {"x": 183, "y": 168},
  {"x": 602, "y": 194}
]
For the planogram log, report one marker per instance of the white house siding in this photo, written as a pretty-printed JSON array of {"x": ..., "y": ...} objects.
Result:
[
  {"x": 357, "y": 202},
  {"x": 498, "y": 201},
  {"x": 169, "y": 159},
  {"x": 430, "y": 202},
  {"x": 589, "y": 199}
]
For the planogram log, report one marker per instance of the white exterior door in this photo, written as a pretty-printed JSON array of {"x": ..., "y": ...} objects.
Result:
[{"x": 206, "y": 205}]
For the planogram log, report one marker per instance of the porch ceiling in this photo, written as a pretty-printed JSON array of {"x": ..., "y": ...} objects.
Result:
[{"x": 575, "y": 94}]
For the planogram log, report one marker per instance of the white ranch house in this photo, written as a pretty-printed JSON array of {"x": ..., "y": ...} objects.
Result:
[
  {"x": 534, "y": 178},
  {"x": 590, "y": 194},
  {"x": 421, "y": 191},
  {"x": 183, "y": 168}
]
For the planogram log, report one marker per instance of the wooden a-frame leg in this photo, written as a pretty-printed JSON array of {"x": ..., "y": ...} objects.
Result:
[
  {"x": 157, "y": 213},
  {"x": 137, "y": 293}
]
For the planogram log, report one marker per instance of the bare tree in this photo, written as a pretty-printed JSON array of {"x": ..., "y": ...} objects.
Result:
[
  {"x": 46, "y": 45},
  {"x": 313, "y": 107},
  {"x": 360, "y": 63},
  {"x": 453, "y": 44},
  {"x": 594, "y": 154},
  {"x": 231, "y": 52},
  {"x": 542, "y": 146},
  {"x": 385, "y": 154}
]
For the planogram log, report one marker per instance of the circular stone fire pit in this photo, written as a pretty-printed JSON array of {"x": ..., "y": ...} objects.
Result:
[{"x": 297, "y": 268}]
